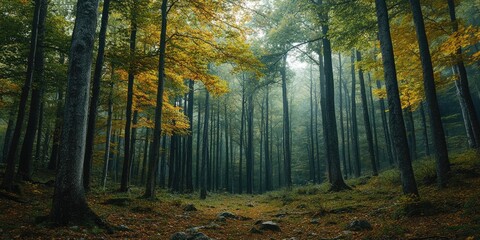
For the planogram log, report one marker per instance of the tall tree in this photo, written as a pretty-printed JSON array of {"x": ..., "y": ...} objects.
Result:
[
  {"x": 7, "y": 182},
  {"x": 462, "y": 85},
  {"x": 131, "y": 78},
  {"x": 397, "y": 126},
  {"x": 366, "y": 118},
  {"x": 439, "y": 142},
  {"x": 26, "y": 156},
  {"x": 92, "y": 114},
  {"x": 268, "y": 160},
  {"x": 157, "y": 131},
  {"x": 355, "y": 148},
  {"x": 205, "y": 153},
  {"x": 189, "y": 145},
  {"x": 69, "y": 203},
  {"x": 287, "y": 168}
]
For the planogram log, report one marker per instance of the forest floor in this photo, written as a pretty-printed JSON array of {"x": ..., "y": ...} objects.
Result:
[{"x": 305, "y": 212}]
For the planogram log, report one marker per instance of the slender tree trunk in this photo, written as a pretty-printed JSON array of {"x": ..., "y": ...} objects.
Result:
[
  {"x": 108, "y": 134},
  {"x": 26, "y": 155},
  {"x": 124, "y": 185},
  {"x": 397, "y": 128},
  {"x": 374, "y": 121},
  {"x": 425, "y": 132},
  {"x": 157, "y": 131},
  {"x": 411, "y": 133},
  {"x": 8, "y": 134},
  {"x": 335, "y": 177},
  {"x": 92, "y": 114},
  {"x": 286, "y": 126},
  {"x": 340, "y": 80},
  {"x": 133, "y": 150},
  {"x": 242, "y": 124},
  {"x": 439, "y": 142},
  {"x": 197, "y": 165},
  {"x": 250, "y": 153},
  {"x": 463, "y": 88},
  {"x": 386, "y": 131},
  {"x": 366, "y": 118},
  {"x": 145, "y": 156},
  {"x": 39, "y": 144},
  {"x": 203, "y": 187},
  {"x": 355, "y": 147},
  {"x": 163, "y": 164},
  {"x": 268, "y": 160},
  {"x": 7, "y": 182},
  {"x": 189, "y": 163},
  {"x": 69, "y": 202},
  {"x": 227, "y": 150},
  {"x": 311, "y": 151}
]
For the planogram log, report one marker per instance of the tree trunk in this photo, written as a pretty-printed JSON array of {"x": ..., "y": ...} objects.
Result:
[
  {"x": 250, "y": 153},
  {"x": 69, "y": 203},
  {"x": 439, "y": 142},
  {"x": 92, "y": 114},
  {"x": 463, "y": 88},
  {"x": 189, "y": 164},
  {"x": 145, "y": 156},
  {"x": 425, "y": 132},
  {"x": 397, "y": 126},
  {"x": 227, "y": 150},
  {"x": 366, "y": 118},
  {"x": 386, "y": 131},
  {"x": 335, "y": 177},
  {"x": 108, "y": 134},
  {"x": 311, "y": 152},
  {"x": 374, "y": 122},
  {"x": 8, "y": 134},
  {"x": 124, "y": 185},
  {"x": 410, "y": 126},
  {"x": 133, "y": 150},
  {"x": 286, "y": 126},
  {"x": 268, "y": 160},
  {"x": 12, "y": 151},
  {"x": 242, "y": 124},
  {"x": 157, "y": 131},
  {"x": 340, "y": 80},
  {"x": 197, "y": 165},
  {"x": 355, "y": 147},
  {"x": 203, "y": 187}
]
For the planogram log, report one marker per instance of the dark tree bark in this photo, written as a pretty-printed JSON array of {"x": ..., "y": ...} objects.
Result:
[
  {"x": 242, "y": 124},
  {"x": 133, "y": 150},
  {"x": 439, "y": 142},
  {"x": 145, "y": 156},
  {"x": 108, "y": 134},
  {"x": 124, "y": 184},
  {"x": 157, "y": 131},
  {"x": 397, "y": 126},
  {"x": 340, "y": 80},
  {"x": 366, "y": 118},
  {"x": 425, "y": 131},
  {"x": 374, "y": 122},
  {"x": 286, "y": 126},
  {"x": 227, "y": 151},
  {"x": 189, "y": 164},
  {"x": 205, "y": 153},
  {"x": 197, "y": 165},
  {"x": 386, "y": 130},
  {"x": 92, "y": 114},
  {"x": 311, "y": 151},
  {"x": 355, "y": 149},
  {"x": 463, "y": 88},
  {"x": 335, "y": 173},
  {"x": 69, "y": 203},
  {"x": 410, "y": 126},
  {"x": 250, "y": 153},
  {"x": 163, "y": 163},
  {"x": 7, "y": 182},
  {"x": 268, "y": 160},
  {"x": 8, "y": 134}
]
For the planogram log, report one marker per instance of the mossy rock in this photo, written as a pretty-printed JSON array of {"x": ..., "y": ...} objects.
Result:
[{"x": 415, "y": 208}]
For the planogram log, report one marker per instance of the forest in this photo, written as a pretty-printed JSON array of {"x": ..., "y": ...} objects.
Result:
[{"x": 246, "y": 119}]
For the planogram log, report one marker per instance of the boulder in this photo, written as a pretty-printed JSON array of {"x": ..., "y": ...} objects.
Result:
[
  {"x": 359, "y": 225},
  {"x": 189, "y": 208},
  {"x": 270, "y": 225},
  {"x": 227, "y": 215}
]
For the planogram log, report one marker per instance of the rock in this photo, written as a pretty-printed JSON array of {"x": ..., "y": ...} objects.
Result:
[
  {"x": 179, "y": 236},
  {"x": 190, "y": 234},
  {"x": 280, "y": 215},
  {"x": 189, "y": 208},
  {"x": 359, "y": 225},
  {"x": 75, "y": 228},
  {"x": 123, "y": 228},
  {"x": 269, "y": 225},
  {"x": 348, "y": 209},
  {"x": 250, "y": 205},
  {"x": 255, "y": 230},
  {"x": 212, "y": 225},
  {"x": 315, "y": 221},
  {"x": 221, "y": 219},
  {"x": 227, "y": 215},
  {"x": 302, "y": 206}
]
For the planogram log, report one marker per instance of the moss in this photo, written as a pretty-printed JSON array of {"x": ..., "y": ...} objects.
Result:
[{"x": 411, "y": 207}]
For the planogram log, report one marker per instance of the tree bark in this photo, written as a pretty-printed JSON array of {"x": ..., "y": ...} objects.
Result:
[
  {"x": 92, "y": 114},
  {"x": 437, "y": 131},
  {"x": 250, "y": 153},
  {"x": 157, "y": 131},
  {"x": 268, "y": 160},
  {"x": 69, "y": 203},
  {"x": 397, "y": 126},
  {"x": 7, "y": 182},
  {"x": 108, "y": 133},
  {"x": 355, "y": 148},
  {"x": 205, "y": 153},
  {"x": 366, "y": 118},
  {"x": 124, "y": 184},
  {"x": 286, "y": 126},
  {"x": 189, "y": 164},
  {"x": 425, "y": 131},
  {"x": 462, "y": 86}
]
